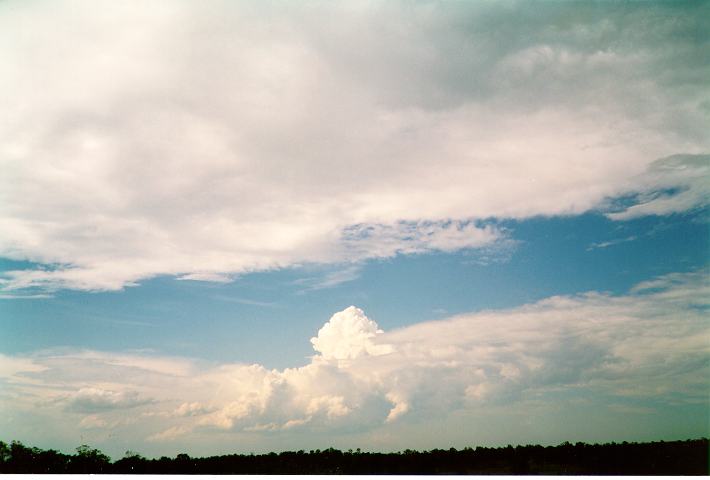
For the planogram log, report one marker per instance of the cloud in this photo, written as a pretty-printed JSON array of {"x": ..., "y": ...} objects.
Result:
[
  {"x": 348, "y": 334},
  {"x": 10, "y": 367},
  {"x": 191, "y": 409},
  {"x": 10, "y": 296},
  {"x": 649, "y": 347},
  {"x": 376, "y": 240},
  {"x": 169, "y": 434},
  {"x": 243, "y": 301},
  {"x": 92, "y": 399},
  {"x": 331, "y": 279},
  {"x": 611, "y": 243},
  {"x": 99, "y": 422},
  {"x": 206, "y": 277},
  {"x": 399, "y": 407},
  {"x": 92, "y": 421},
  {"x": 671, "y": 185},
  {"x": 215, "y": 140}
]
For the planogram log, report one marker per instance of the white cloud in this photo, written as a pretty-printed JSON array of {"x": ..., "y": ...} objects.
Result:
[
  {"x": 347, "y": 335},
  {"x": 330, "y": 279},
  {"x": 332, "y": 406},
  {"x": 206, "y": 277},
  {"x": 610, "y": 243},
  {"x": 652, "y": 345},
  {"x": 399, "y": 407},
  {"x": 214, "y": 140}
]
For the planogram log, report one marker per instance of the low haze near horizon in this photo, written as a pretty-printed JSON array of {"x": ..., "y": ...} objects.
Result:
[{"x": 265, "y": 226}]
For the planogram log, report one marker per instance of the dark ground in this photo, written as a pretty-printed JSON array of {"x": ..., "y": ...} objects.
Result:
[{"x": 686, "y": 457}]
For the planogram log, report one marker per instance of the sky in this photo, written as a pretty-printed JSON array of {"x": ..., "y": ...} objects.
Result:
[{"x": 264, "y": 226}]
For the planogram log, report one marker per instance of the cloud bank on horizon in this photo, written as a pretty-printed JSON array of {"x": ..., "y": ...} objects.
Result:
[
  {"x": 640, "y": 354},
  {"x": 214, "y": 139}
]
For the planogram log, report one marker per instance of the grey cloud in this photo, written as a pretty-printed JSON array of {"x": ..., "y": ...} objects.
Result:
[
  {"x": 673, "y": 184},
  {"x": 205, "y": 141},
  {"x": 92, "y": 400}
]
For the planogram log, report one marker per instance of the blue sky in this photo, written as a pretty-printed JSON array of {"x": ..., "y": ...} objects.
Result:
[
  {"x": 413, "y": 225},
  {"x": 232, "y": 321}
]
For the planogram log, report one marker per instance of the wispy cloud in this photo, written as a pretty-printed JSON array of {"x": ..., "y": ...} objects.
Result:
[
  {"x": 243, "y": 301},
  {"x": 610, "y": 243},
  {"x": 330, "y": 279},
  {"x": 29, "y": 296}
]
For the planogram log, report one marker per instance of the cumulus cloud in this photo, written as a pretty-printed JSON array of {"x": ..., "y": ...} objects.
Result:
[
  {"x": 349, "y": 334},
  {"x": 205, "y": 141},
  {"x": 651, "y": 345}
]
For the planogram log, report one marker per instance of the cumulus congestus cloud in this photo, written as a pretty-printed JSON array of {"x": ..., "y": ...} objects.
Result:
[
  {"x": 647, "y": 347},
  {"x": 348, "y": 335},
  {"x": 216, "y": 139}
]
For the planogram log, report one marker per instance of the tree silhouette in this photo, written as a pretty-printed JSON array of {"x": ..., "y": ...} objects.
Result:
[
  {"x": 688, "y": 457},
  {"x": 89, "y": 460}
]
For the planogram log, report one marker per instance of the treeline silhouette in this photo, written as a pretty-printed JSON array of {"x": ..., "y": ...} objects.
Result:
[{"x": 686, "y": 457}]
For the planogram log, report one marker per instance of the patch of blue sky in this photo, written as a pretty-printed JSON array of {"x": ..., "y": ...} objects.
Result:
[{"x": 269, "y": 317}]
